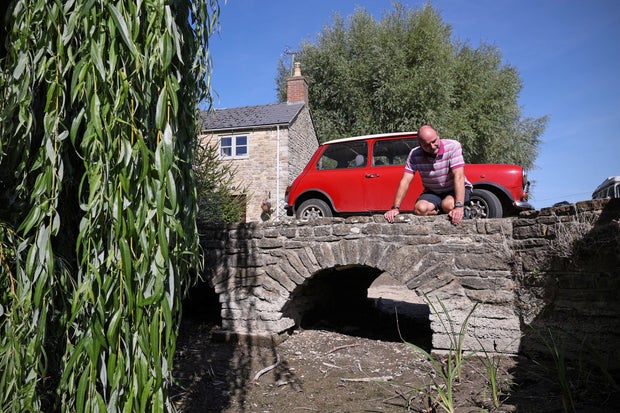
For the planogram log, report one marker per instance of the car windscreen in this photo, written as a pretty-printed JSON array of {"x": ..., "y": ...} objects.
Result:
[{"x": 344, "y": 155}]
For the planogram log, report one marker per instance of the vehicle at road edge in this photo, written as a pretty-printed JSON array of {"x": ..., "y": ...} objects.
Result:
[{"x": 609, "y": 188}]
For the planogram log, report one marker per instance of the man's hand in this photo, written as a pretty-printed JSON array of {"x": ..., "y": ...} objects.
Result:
[
  {"x": 456, "y": 215},
  {"x": 391, "y": 214}
]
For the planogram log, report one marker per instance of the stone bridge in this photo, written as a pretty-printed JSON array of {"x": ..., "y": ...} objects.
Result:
[{"x": 557, "y": 270}]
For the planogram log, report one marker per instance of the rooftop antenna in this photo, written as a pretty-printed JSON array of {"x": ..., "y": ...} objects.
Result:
[{"x": 291, "y": 53}]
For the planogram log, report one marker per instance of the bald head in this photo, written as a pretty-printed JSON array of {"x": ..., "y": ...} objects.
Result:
[
  {"x": 429, "y": 139},
  {"x": 427, "y": 132}
]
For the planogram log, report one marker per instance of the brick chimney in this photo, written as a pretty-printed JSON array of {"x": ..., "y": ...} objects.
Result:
[{"x": 297, "y": 86}]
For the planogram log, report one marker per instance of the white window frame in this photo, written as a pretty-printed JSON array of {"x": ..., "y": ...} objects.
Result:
[{"x": 235, "y": 146}]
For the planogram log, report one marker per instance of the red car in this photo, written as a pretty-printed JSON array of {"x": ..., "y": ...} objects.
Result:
[{"x": 360, "y": 175}]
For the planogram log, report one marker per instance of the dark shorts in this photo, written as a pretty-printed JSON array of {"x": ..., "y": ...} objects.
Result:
[{"x": 436, "y": 199}]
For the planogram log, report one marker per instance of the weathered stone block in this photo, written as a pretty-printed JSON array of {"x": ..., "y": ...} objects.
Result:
[
  {"x": 276, "y": 272},
  {"x": 483, "y": 282},
  {"x": 532, "y": 231},
  {"x": 324, "y": 255},
  {"x": 341, "y": 230},
  {"x": 490, "y": 296},
  {"x": 350, "y": 251},
  {"x": 288, "y": 232},
  {"x": 489, "y": 261},
  {"x": 323, "y": 231},
  {"x": 269, "y": 243}
]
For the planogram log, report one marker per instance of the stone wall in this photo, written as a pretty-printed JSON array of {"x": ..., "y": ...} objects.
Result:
[
  {"x": 553, "y": 270},
  {"x": 568, "y": 274},
  {"x": 302, "y": 144}
]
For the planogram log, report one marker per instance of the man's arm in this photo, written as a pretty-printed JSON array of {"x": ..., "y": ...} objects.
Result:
[
  {"x": 456, "y": 214},
  {"x": 403, "y": 186},
  {"x": 459, "y": 185}
]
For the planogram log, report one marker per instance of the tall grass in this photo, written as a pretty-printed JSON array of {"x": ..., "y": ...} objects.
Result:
[
  {"x": 446, "y": 372},
  {"x": 491, "y": 364}
]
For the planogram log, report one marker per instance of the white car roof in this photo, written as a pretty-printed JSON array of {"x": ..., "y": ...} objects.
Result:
[
  {"x": 364, "y": 137},
  {"x": 607, "y": 182}
]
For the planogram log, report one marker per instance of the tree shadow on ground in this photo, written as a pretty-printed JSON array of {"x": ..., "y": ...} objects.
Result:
[
  {"x": 203, "y": 382},
  {"x": 214, "y": 369}
]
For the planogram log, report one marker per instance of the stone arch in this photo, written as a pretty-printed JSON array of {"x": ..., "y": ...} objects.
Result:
[
  {"x": 294, "y": 276},
  {"x": 335, "y": 290},
  {"x": 317, "y": 276}
]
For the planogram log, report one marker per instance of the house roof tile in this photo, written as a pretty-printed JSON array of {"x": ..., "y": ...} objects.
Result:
[{"x": 250, "y": 116}]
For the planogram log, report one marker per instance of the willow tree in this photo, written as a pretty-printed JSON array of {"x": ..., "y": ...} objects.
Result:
[
  {"x": 97, "y": 225},
  {"x": 404, "y": 70}
]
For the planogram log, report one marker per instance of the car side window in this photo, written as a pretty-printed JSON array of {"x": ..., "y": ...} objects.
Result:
[
  {"x": 344, "y": 155},
  {"x": 393, "y": 151}
]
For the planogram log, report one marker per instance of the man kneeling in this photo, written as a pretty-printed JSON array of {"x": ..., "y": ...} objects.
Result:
[{"x": 441, "y": 166}]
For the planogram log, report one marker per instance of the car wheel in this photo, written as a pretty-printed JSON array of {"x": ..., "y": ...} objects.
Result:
[
  {"x": 313, "y": 208},
  {"x": 484, "y": 204}
]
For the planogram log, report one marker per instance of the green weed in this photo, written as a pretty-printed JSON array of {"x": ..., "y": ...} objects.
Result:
[{"x": 445, "y": 372}]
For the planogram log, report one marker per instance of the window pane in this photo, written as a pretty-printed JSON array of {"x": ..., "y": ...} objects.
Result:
[
  {"x": 395, "y": 151},
  {"x": 241, "y": 145},
  {"x": 344, "y": 155},
  {"x": 226, "y": 146}
]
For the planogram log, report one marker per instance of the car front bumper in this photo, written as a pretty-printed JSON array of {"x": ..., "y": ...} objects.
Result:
[{"x": 523, "y": 205}]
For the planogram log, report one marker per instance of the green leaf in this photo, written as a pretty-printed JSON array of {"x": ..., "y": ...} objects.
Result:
[
  {"x": 32, "y": 219},
  {"x": 51, "y": 94},
  {"x": 160, "y": 113},
  {"x": 112, "y": 331},
  {"x": 95, "y": 115},
  {"x": 121, "y": 25},
  {"x": 22, "y": 62},
  {"x": 172, "y": 191},
  {"x": 162, "y": 234},
  {"x": 82, "y": 394},
  {"x": 166, "y": 49},
  {"x": 146, "y": 395},
  {"x": 155, "y": 336},
  {"x": 96, "y": 50},
  {"x": 75, "y": 125},
  {"x": 90, "y": 146},
  {"x": 172, "y": 85}
]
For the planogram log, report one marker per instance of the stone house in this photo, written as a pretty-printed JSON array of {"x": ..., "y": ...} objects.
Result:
[{"x": 268, "y": 144}]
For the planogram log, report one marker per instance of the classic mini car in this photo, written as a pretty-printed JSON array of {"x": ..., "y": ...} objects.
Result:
[{"x": 359, "y": 175}]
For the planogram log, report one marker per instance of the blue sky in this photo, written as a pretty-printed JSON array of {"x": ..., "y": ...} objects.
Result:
[{"x": 567, "y": 53}]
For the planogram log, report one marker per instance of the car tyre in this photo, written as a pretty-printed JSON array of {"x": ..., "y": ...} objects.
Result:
[
  {"x": 313, "y": 208},
  {"x": 485, "y": 204}
]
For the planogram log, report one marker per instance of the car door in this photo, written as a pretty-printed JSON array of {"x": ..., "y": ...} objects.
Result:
[
  {"x": 384, "y": 172},
  {"x": 340, "y": 174}
]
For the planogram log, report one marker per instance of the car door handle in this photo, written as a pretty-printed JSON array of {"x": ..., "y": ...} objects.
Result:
[{"x": 372, "y": 175}]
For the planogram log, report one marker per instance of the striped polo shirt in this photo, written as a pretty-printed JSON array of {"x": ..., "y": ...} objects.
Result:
[{"x": 435, "y": 170}]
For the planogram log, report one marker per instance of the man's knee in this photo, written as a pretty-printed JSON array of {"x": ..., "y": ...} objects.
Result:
[
  {"x": 447, "y": 204},
  {"x": 425, "y": 208}
]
